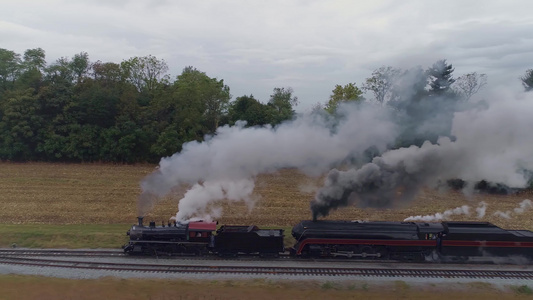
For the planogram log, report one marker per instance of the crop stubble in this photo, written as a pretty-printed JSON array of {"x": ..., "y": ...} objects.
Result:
[{"x": 49, "y": 193}]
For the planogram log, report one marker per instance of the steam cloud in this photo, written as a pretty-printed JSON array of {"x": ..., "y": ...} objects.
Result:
[
  {"x": 466, "y": 210},
  {"x": 522, "y": 207},
  {"x": 491, "y": 140},
  {"x": 447, "y": 214},
  {"x": 225, "y": 165}
]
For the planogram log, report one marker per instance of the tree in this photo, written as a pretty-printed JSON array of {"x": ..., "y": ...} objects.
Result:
[
  {"x": 33, "y": 68},
  {"x": 187, "y": 110},
  {"x": 409, "y": 89},
  {"x": 60, "y": 72},
  {"x": 203, "y": 101},
  {"x": 527, "y": 80},
  {"x": 469, "y": 84},
  {"x": 217, "y": 98},
  {"x": 144, "y": 72},
  {"x": 94, "y": 104},
  {"x": 350, "y": 92},
  {"x": 440, "y": 77},
  {"x": 282, "y": 102},
  {"x": 382, "y": 82},
  {"x": 107, "y": 73},
  {"x": 80, "y": 65},
  {"x": 10, "y": 65},
  {"x": 247, "y": 108},
  {"x": 19, "y": 126},
  {"x": 318, "y": 108},
  {"x": 35, "y": 59},
  {"x": 84, "y": 142}
]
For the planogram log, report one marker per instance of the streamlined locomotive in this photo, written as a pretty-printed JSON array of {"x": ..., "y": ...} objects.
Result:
[{"x": 410, "y": 241}]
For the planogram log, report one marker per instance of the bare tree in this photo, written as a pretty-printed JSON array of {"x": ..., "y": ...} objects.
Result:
[
  {"x": 527, "y": 80},
  {"x": 469, "y": 84},
  {"x": 381, "y": 82}
]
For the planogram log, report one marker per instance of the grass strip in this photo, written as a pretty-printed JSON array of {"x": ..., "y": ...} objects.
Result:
[
  {"x": 78, "y": 236},
  {"x": 74, "y": 236}
]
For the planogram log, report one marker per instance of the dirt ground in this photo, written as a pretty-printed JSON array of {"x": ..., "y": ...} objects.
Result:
[
  {"x": 44, "y": 193},
  {"x": 27, "y": 287}
]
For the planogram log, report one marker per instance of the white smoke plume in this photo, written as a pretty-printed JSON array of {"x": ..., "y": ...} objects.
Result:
[
  {"x": 447, "y": 214},
  {"x": 224, "y": 166},
  {"x": 481, "y": 210},
  {"x": 491, "y": 142},
  {"x": 522, "y": 207},
  {"x": 208, "y": 193}
]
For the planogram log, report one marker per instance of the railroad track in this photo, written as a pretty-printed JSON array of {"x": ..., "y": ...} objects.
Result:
[
  {"x": 264, "y": 270},
  {"x": 59, "y": 252}
]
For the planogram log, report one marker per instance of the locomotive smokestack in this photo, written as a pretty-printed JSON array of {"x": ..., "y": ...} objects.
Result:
[
  {"x": 140, "y": 219},
  {"x": 315, "y": 214}
]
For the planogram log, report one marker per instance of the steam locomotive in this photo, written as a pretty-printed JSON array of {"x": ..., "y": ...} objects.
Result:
[
  {"x": 402, "y": 241},
  {"x": 197, "y": 238}
]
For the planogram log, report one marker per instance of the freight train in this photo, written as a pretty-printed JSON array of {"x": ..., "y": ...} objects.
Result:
[{"x": 401, "y": 241}]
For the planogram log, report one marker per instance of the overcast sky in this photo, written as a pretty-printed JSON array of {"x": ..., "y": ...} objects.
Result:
[{"x": 256, "y": 46}]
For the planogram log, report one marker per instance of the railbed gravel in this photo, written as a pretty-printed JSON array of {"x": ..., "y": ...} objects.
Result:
[{"x": 94, "y": 274}]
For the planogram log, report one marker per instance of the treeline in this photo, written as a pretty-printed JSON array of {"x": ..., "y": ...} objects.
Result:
[{"x": 81, "y": 111}]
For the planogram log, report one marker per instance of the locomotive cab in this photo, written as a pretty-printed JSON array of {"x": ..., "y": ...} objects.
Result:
[
  {"x": 201, "y": 232},
  {"x": 430, "y": 231}
]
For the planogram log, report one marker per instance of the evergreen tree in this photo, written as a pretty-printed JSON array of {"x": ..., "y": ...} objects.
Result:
[{"x": 440, "y": 77}]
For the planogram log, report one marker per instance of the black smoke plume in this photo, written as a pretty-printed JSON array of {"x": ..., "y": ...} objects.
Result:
[{"x": 492, "y": 143}]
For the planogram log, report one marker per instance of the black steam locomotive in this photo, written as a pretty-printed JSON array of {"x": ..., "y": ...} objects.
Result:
[
  {"x": 197, "y": 238},
  {"x": 409, "y": 241},
  {"x": 403, "y": 241}
]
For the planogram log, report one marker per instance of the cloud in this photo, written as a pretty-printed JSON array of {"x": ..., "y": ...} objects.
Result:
[{"x": 253, "y": 45}]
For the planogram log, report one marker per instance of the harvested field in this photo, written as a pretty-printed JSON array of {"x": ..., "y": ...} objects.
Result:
[
  {"x": 46, "y": 193},
  {"x": 103, "y": 195}
]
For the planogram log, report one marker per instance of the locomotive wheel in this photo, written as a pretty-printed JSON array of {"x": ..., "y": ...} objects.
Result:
[
  {"x": 366, "y": 250},
  {"x": 382, "y": 252},
  {"x": 200, "y": 252},
  {"x": 412, "y": 257},
  {"x": 460, "y": 259}
]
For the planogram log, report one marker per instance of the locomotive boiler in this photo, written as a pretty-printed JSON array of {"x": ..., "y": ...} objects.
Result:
[{"x": 174, "y": 238}]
